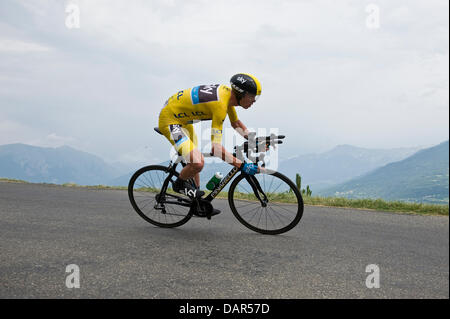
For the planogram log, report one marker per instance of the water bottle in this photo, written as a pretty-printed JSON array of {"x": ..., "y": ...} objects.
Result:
[{"x": 214, "y": 181}]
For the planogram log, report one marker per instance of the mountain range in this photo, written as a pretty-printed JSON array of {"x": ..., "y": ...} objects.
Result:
[
  {"x": 340, "y": 164},
  {"x": 422, "y": 177},
  {"x": 53, "y": 165},
  {"x": 345, "y": 170}
]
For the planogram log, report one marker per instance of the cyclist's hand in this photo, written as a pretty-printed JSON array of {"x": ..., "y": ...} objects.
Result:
[{"x": 249, "y": 168}]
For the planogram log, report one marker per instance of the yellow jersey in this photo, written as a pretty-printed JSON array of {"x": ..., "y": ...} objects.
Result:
[{"x": 200, "y": 103}]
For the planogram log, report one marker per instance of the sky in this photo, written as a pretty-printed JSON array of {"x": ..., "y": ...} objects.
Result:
[{"x": 94, "y": 74}]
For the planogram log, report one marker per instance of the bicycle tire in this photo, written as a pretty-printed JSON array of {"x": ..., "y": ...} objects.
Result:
[
  {"x": 297, "y": 207},
  {"x": 159, "y": 219}
]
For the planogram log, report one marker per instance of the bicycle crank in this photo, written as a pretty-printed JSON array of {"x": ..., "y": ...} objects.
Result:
[{"x": 201, "y": 208}]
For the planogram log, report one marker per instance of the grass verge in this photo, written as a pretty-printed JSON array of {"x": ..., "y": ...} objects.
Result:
[
  {"x": 379, "y": 205},
  {"x": 371, "y": 204},
  {"x": 11, "y": 180}
]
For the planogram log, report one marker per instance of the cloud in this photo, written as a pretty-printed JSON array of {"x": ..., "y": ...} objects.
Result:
[
  {"x": 55, "y": 140},
  {"x": 17, "y": 46},
  {"x": 327, "y": 79},
  {"x": 13, "y": 132}
]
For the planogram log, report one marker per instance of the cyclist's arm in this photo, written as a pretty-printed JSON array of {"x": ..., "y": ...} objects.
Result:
[
  {"x": 240, "y": 128},
  {"x": 236, "y": 123},
  {"x": 219, "y": 151},
  {"x": 216, "y": 141}
]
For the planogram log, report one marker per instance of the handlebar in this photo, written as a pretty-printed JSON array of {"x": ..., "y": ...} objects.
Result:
[{"x": 257, "y": 145}]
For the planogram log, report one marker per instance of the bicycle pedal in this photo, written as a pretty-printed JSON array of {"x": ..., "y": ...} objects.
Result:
[{"x": 213, "y": 213}]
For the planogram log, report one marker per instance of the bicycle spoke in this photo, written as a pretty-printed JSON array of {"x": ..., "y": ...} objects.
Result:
[
  {"x": 145, "y": 185},
  {"x": 264, "y": 182},
  {"x": 150, "y": 182},
  {"x": 270, "y": 217},
  {"x": 143, "y": 201},
  {"x": 276, "y": 215},
  {"x": 259, "y": 220},
  {"x": 251, "y": 203},
  {"x": 273, "y": 216},
  {"x": 281, "y": 183},
  {"x": 246, "y": 190},
  {"x": 280, "y": 216},
  {"x": 271, "y": 183},
  {"x": 252, "y": 211},
  {"x": 280, "y": 206}
]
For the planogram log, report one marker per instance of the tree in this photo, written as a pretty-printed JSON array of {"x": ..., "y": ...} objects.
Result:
[{"x": 298, "y": 181}]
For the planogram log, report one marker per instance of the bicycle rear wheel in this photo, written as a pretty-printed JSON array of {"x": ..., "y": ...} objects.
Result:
[
  {"x": 277, "y": 212},
  {"x": 151, "y": 195}
]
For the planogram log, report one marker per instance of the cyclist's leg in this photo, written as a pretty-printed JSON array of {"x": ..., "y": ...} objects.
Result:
[
  {"x": 192, "y": 169},
  {"x": 182, "y": 137},
  {"x": 194, "y": 158}
]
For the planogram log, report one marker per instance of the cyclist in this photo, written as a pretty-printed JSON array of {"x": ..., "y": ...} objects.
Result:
[{"x": 207, "y": 102}]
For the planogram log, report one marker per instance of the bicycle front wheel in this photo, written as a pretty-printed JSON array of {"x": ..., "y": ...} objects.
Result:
[
  {"x": 268, "y": 204},
  {"x": 150, "y": 193}
]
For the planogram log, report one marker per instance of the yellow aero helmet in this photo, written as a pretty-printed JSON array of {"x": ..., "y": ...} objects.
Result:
[{"x": 243, "y": 83}]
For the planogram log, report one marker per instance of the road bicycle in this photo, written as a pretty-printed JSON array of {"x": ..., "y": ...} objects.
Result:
[{"x": 267, "y": 203}]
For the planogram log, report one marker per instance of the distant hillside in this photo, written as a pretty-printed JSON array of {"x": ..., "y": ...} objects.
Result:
[
  {"x": 208, "y": 171},
  {"x": 53, "y": 165},
  {"x": 422, "y": 177},
  {"x": 67, "y": 165},
  {"x": 340, "y": 164}
]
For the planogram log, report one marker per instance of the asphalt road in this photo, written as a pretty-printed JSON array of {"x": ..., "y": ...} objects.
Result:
[{"x": 45, "y": 228}]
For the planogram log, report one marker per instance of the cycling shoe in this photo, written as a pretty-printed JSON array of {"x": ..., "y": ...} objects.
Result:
[{"x": 186, "y": 188}]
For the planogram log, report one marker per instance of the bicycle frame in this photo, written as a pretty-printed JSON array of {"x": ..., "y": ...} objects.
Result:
[
  {"x": 251, "y": 180},
  {"x": 216, "y": 190},
  {"x": 222, "y": 184},
  {"x": 148, "y": 205},
  {"x": 255, "y": 145}
]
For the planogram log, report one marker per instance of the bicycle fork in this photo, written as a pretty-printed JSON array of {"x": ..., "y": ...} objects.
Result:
[{"x": 257, "y": 190}]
